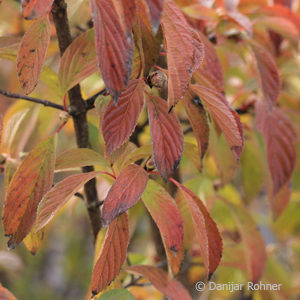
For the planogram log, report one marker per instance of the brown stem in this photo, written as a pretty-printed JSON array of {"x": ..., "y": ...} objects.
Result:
[
  {"x": 79, "y": 115},
  {"x": 31, "y": 99}
]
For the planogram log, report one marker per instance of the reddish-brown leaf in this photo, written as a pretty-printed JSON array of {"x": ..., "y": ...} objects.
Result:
[
  {"x": 166, "y": 215},
  {"x": 33, "y": 9},
  {"x": 125, "y": 192},
  {"x": 58, "y": 196},
  {"x": 226, "y": 118},
  {"x": 112, "y": 255},
  {"x": 206, "y": 230},
  {"x": 78, "y": 61},
  {"x": 114, "y": 42},
  {"x": 269, "y": 76},
  {"x": 120, "y": 121},
  {"x": 30, "y": 182},
  {"x": 5, "y": 294},
  {"x": 254, "y": 246},
  {"x": 167, "y": 136},
  {"x": 241, "y": 20},
  {"x": 180, "y": 51},
  {"x": 155, "y": 8},
  {"x": 32, "y": 53},
  {"x": 198, "y": 119},
  {"x": 171, "y": 288},
  {"x": 282, "y": 11},
  {"x": 280, "y": 138},
  {"x": 212, "y": 69}
]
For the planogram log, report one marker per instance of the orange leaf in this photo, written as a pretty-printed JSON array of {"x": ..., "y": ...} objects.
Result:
[
  {"x": 254, "y": 246},
  {"x": 125, "y": 192},
  {"x": 32, "y": 53},
  {"x": 280, "y": 138},
  {"x": 120, "y": 121},
  {"x": 33, "y": 9},
  {"x": 155, "y": 8},
  {"x": 226, "y": 118},
  {"x": 114, "y": 43},
  {"x": 112, "y": 255},
  {"x": 171, "y": 288},
  {"x": 58, "y": 196},
  {"x": 78, "y": 61},
  {"x": 241, "y": 20},
  {"x": 5, "y": 294},
  {"x": 206, "y": 230},
  {"x": 198, "y": 119},
  {"x": 166, "y": 215},
  {"x": 269, "y": 77},
  {"x": 180, "y": 51},
  {"x": 167, "y": 136},
  {"x": 30, "y": 182}
]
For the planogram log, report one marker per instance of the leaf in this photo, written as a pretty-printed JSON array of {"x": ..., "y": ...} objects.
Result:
[
  {"x": 269, "y": 76},
  {"x": 148, "y": 43},
  {"x": 171, "y": 288},
  {"x": 79, "y": 157},
  {"x": 282, "y": 26},
  {"x": 155, "y": 8},
  {"x": 226, "y": 118},
  {"x": 206, "y": 230},
  {"x": 200, "y": 12},
  {"x": 119, "y": 121},
  {"x": 191, "y": 151},
  {"x": 254, "y": 246},
  {"x": 180, "y": 51},
  {"x": 114, "y": 43},
  {"x": 33, "y": 241},
  {"x": 280, "y": 138},
  {"x": 78, "y": 61},
  {"x": 33, "y": 9},
  {"x": 167, "y": 136},
  {"x": 58, "y": 196},
  {"x": 112, "y": 255},
  {"x": 18, "y": 130},
  {"x": 211, "y": 72},
  {"x": 5, "y": 294},
  {"x": 124, "y": 193},
  {"x": 117, "y": 294},
  {"x": 198, "y": 119},
  {"x": 166, "y": 215},
  {"x": 32, "y": 53},
  {"x": 241, "y": 20},
  {"x": 30, "y": 182}
]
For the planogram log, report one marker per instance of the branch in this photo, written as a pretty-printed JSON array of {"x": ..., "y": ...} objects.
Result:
[
  {"x": 60, "y": 18},
  {"x": 31, "y": 99}
]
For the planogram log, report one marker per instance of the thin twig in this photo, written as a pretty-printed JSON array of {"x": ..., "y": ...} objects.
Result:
[{"x": 31, "y": 99}]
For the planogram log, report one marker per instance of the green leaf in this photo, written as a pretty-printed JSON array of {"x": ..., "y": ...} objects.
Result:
[{"x": 118, "y": 294}]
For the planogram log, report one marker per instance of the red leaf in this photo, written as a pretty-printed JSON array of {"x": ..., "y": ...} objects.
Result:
[
  {"x": 206, "y": 231},
  {"x": 30, "y": 182},
  {"x": 120, "y": 121},
  {"x": 125, "y": 192},
  {"x": 198, "y": 120},
  {"x": 78, "y": 61},
  {"x": 114, "y": 43},
  {"x": 254, "y": 246},
  {"x": 32, "y": 53},
  {"x": 280, "y": 138},
  {"x": 166, "y": 215},
  {"x": 269, "y": 77},
  {"x": 58, "y": 196},
  {"x": 171, "y": 288},
  {"x": 226, "y": 118},
  {"x": 212, "y": 68},
  {"x": 5, "y": 294},
  {"x": 241, "y": 20},
  {"x": 112, "y": 255},
  {"x": 156, "y": 8},
  {"x": 167, "y": 136},
  {"x": 33, "y": 9},
  {"x": 180, "y": 51}
]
